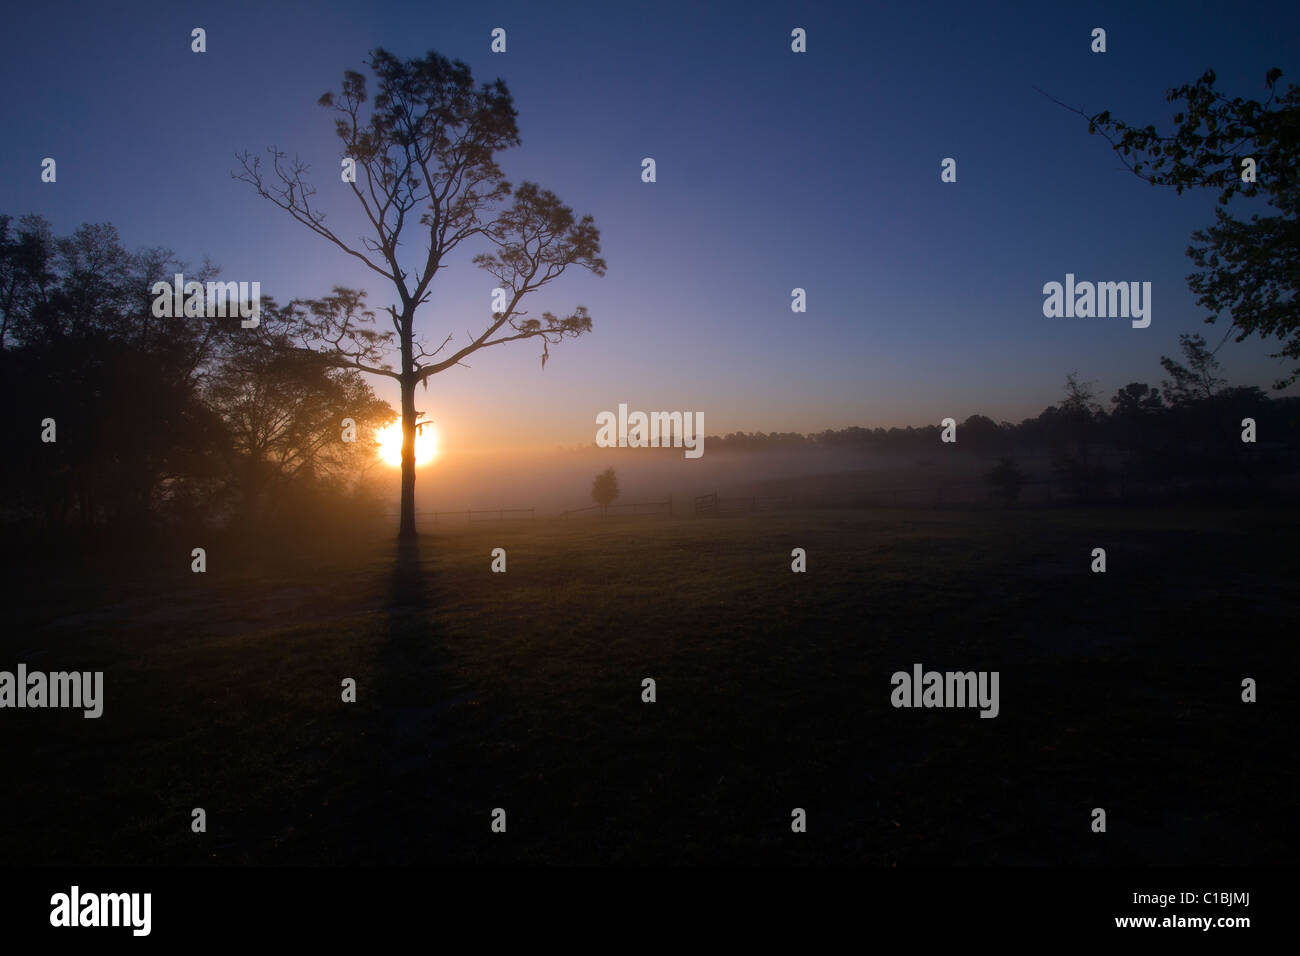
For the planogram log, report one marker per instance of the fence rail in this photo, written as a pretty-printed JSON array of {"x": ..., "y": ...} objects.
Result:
[
  {"x": 620, "y": 509},
  {"x": 469, "y": 513}
]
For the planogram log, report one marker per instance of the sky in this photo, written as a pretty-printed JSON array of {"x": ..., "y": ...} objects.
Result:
[{"x": 775, "y": 170}]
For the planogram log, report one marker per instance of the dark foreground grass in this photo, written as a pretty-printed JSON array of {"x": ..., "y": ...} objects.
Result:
[{"x": 523, "y": 691}]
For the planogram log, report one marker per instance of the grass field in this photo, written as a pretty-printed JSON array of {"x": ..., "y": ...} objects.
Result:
[{"x": 523, "y": 691}]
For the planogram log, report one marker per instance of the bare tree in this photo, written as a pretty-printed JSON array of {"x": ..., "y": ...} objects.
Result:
[{"x": 424, "y": 161}]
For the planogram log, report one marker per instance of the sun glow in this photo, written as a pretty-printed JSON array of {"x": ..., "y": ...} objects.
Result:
[{"x": 390, "y": 444}]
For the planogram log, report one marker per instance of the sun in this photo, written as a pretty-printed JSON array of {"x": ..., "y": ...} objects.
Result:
[{"x": 390, "y": 444}]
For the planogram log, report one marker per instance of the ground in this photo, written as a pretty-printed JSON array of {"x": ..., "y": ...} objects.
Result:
[{"x": 523, "y": 691}]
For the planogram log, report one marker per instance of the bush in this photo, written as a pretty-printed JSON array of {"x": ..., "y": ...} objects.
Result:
[{"x": 1006, "y": 480}]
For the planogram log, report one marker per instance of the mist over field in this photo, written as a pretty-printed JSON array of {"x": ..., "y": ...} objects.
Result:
[{"x": 560, "y": 480}]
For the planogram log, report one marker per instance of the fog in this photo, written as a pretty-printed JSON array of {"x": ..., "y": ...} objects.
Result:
[{"x": 556, "y": 481}]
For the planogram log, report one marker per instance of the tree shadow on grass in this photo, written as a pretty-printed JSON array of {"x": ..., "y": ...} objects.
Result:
[{"x": 401, "y": 786}]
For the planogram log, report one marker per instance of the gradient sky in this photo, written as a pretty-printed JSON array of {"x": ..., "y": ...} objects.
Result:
[{"x": 775, "y": 170}]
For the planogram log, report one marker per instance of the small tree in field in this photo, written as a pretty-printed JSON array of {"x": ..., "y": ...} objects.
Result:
[
  {"x": 604, "y": 489},
  {"x": 1005, "y": 480}
]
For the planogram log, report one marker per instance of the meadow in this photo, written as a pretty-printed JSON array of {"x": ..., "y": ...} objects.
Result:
[{"x": 522, "y": 690}]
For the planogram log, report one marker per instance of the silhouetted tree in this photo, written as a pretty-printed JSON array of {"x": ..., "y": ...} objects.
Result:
[
  {"x": 1249, "y": 270},
  {"x": 284, "y": 411},
  {"x": 1135, "y": 423},
  {"x": 604, "y": 489},
  {"x": 1077, "y": 425},
  {"x": 981, "y": 434},
  {"x": 1136, "y": 398},
  {"x": 1196, "y": 380},
  {"x": 424, "y": 153},
  {"x": 83, "y": 348},
  {"x": 1006, "y": 480},
  {"x": 26, "y": 259}
]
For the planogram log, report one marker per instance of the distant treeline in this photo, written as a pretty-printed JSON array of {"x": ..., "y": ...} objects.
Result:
[
  {"x": 116, "y": 418},
  {"x": 1138, "y": 421},
  {"x": 1191, "y": 429}
]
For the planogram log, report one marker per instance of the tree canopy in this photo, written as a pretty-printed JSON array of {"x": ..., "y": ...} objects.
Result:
[{"x": 1248, "y": 268}]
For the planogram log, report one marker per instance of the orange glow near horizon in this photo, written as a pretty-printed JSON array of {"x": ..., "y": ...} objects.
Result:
[{"x": 390, "y": 444}]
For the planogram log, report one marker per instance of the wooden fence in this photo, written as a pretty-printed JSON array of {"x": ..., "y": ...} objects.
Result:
[
  {"x": 468, "y": 515},
  {"x": 626, "y": 508}
]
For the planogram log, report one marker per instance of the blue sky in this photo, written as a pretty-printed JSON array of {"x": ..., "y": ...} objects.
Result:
[{"x": 775, "y": 170}]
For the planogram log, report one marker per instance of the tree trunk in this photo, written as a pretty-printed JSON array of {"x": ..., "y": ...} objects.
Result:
[{"x": 407, "y": 531}]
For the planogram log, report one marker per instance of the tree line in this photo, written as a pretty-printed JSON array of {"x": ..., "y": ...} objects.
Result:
[
  {"x": 1192, "y": 428},
  {"x": 118, "y": 419}
]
